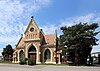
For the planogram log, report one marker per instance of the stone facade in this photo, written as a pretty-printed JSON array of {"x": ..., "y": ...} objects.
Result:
[{"x": 36, "y": 45}]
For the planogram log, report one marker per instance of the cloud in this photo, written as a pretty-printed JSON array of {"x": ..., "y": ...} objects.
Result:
[
  {"x": 6, "y": 39},
  {"x": 91, "y": 17},
  {"x": 13, "y": 15},
  {"x": 49, "y": 29}
]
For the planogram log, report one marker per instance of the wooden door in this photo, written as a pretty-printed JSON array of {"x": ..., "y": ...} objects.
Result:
[{"x": 33, "y": 57}]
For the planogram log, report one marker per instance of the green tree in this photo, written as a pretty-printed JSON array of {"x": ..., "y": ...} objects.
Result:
[
  {"x": 79, "y": 40},
  {"x": 8, "y": 51}
]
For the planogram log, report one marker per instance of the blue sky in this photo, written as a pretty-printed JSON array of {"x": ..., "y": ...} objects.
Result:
[{"x": 48, "y": 14}]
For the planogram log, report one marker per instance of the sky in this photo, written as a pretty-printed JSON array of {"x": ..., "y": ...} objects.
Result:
[{"x": 49, "y": 15}]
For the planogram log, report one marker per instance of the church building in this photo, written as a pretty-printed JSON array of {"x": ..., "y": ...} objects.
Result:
[{"x": 37, "y": 45}]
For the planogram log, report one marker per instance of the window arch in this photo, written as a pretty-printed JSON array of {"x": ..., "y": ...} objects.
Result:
[
  {"x": 32, "y": 54},
  {"x": 21, "y": 55},
  {"x": 47, "y": 54},
  {"x": 32, "y": 49}
]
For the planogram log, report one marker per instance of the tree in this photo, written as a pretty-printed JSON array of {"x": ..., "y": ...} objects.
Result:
[
  {"x": 8, "y": 51},
  {"x": 79, "y": 40}
]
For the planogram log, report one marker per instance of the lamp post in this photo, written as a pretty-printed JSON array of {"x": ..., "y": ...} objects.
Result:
[
  {"x": 66, "y": 53},
  {"x": 76, "y": 56}
]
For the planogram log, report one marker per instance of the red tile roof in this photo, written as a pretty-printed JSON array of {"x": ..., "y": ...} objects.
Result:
[
  {"x": 21, "y": 42},
  {"x": 50, "y": 38}
]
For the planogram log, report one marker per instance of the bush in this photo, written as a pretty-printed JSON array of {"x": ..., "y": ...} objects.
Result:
[
  {"x": 22, "y": 62},
  {"x": 31, "y": 62},
  {"x": 26, "y": 59}
]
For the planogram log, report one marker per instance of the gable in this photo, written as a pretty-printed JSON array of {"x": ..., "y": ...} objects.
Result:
[
  {"x": 32, "y": 27},
  {"x": 20, "y": 43}
]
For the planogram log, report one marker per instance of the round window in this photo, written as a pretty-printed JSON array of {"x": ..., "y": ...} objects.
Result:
[{"x": 32, "y": 29}]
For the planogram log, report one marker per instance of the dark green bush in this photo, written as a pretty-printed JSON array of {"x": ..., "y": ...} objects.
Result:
[
  {"x": 26, "y": 59},
  {"x": 31, "y": 62},
  {"x": 22, "y": 62}
]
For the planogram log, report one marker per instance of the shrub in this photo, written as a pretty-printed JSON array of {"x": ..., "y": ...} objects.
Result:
[
  {"x": 26, "y": 59},
  {"x": 22, "y": 62},
  {"x": 31, "y": 62}
]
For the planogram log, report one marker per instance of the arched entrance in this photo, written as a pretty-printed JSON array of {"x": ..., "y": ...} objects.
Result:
[
  {"x": 47, "y": 55},
  {"x": 21, "y": 55},
  {"x": 32, "y": 53}
]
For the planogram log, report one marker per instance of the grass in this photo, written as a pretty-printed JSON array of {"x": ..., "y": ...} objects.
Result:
[
  {"x": 38, "y": 64},
  {"x": 54, "y": 64},
  {"x": 8, "y": 63}
]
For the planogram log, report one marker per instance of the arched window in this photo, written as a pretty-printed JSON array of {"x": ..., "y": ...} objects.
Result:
[
  {"x": 47, "y": 54},
  {"x": 32, "y": 53},
  {"x": 32, "y": 49},
  {"x": 21, "y": 55}
]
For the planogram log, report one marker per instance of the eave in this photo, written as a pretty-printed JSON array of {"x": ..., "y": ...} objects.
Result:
[
  {"x": 35, "y": 39},
  {"x": 48, "y": 45}
]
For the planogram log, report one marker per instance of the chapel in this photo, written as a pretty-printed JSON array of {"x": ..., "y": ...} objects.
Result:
[{"x": 37, "y": 45}]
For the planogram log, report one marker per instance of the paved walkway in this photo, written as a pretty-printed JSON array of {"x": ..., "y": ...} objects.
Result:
[{"x": 16, "y": 67}]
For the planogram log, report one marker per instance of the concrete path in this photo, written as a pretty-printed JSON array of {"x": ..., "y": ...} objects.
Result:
[{"x": 17, "y": 67}]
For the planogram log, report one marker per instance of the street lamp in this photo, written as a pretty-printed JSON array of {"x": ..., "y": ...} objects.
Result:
[
  {"x": 76, "y": 56},
  {"x": 66, "y": 53}
]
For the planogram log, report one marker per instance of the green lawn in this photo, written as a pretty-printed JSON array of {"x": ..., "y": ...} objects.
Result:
[
  {"x": 55, "y": 64},
  {"x": 38, "y": 64},
  {"x": 8, "y": 63}
]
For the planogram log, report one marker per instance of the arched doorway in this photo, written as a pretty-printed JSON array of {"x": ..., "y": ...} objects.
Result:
[
  {"x": 21, "y": 55},
  {"x": 32, "y": 53},
  {"x": 47, "y": 55}
]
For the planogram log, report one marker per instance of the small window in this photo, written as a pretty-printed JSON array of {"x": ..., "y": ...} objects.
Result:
[{"x": 32, "y": 29}]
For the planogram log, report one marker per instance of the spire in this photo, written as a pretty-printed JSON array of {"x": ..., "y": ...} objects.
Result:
[
  {"x": 32, "y": 17},
  {"x": 56, "y": 40},
  {"x": 21, "y": 35},
  {"x": 56, "y": 32},
  {"x": 56, "y": 45}
]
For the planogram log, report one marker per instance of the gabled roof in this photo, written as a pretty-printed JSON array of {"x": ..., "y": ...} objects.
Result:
[
  {"x": 32, "y": 20},
  {"x": 50, "y": 38},
  {"x": 20, "y": 43}
]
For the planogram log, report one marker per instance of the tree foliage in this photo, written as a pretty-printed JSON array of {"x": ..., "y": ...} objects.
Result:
[
  {"x": 79, "y": 38},
  {"x": 7, "y": 51}
]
